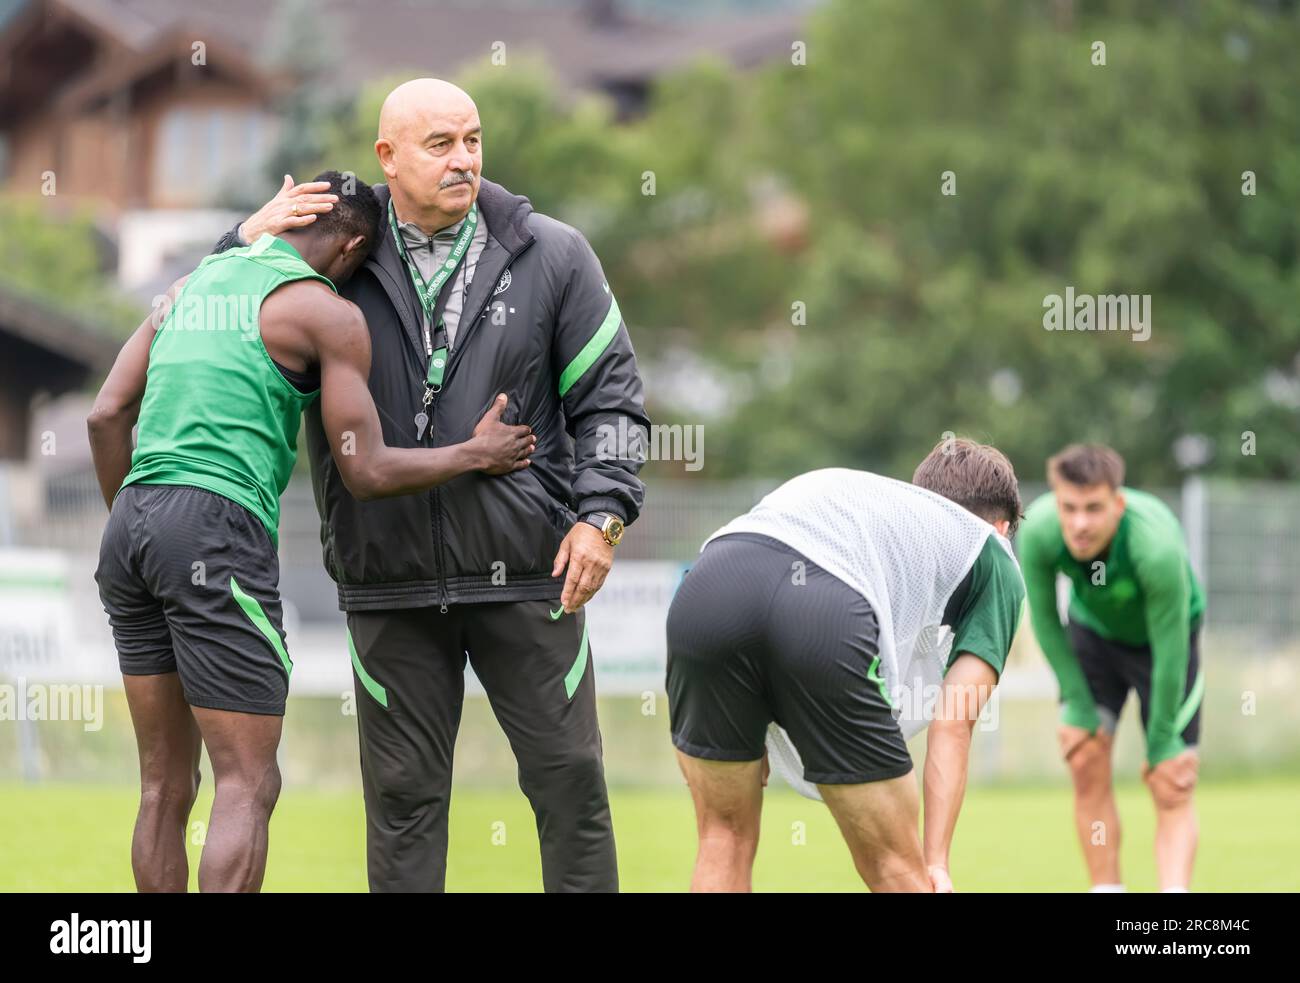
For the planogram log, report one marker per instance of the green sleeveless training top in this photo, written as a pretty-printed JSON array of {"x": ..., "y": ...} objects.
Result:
[{"x": 217, "y": 414}]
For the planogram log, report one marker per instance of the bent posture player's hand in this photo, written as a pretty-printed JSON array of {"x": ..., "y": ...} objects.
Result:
[
  {"x": 939, "y": 880},
  {"x": 1172, "y": 780},
  {"x": 589, "y": 558},
  {"x": 1072, "y": 740},
  {"x": 504, "y": 448},
  {"x": 294, "y": 206}
]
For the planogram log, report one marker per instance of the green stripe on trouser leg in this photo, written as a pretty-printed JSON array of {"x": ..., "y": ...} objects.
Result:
[
  {"x": 261, "y": 622},
  {"x": 574, "y": 676},
  {"x": 379, "y": 694}
]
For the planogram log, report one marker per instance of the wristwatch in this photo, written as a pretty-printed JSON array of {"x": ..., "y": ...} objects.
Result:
[{"x": 610, "y": 526}]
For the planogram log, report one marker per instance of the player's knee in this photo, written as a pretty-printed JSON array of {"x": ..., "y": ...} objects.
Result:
[
  {"x": 733, "y": 831},
  {"x": 727, "y": 817},
  {"x": 1091, "y": 775},
  {"x": 890, "y": 866},
  {"x": 1167, "y": 800},
  {"x": 170, "y": 793},
  {"x": 404, "y": 786},
  {"x": 255, "y": 785}
]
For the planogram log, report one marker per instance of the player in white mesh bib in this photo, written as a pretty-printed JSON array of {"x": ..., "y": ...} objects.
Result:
[{"x": 841, "y": 615}]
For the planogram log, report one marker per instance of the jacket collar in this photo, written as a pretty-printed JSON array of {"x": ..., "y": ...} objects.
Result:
[{"x": 506, "y": 215}]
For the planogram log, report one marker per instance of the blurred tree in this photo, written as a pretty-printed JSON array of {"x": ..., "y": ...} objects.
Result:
[
  {"x": 796, "y": 278},
  {"x": 925, "y": 310},
  {"x": 53, "y": 255}
]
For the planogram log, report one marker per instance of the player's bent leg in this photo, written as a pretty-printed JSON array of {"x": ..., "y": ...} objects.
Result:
[
  {"x": 719, "y": 697},
  {"x": 241, "y": 747},
  {"x": 228, "y": 642},
  {"x": 1096, "y": 817},
  {"x": 1177, "y": 835},
  {"x": 728, "y": 797},
  {"x": 879, "y": 824},
  {"x": 1176, "y": 826},
  {"x": 167, "y": 737},
  {"x": 169, "y": 745}
]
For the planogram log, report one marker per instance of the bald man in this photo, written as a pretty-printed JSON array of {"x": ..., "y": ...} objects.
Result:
[{"x": 470, "y": 293}]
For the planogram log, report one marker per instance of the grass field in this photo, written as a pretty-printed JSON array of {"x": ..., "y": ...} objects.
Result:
[{"x": 76, "y": 838}]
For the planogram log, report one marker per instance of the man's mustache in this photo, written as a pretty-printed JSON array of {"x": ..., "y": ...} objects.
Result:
[{"x": 455, "y": 178}]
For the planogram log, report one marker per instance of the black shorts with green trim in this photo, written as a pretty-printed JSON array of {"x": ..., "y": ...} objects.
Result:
[
  {"x": 190, "y": 581},
  {"x": 1112, "y": 669},
  {"x": 757, "y": 633}
]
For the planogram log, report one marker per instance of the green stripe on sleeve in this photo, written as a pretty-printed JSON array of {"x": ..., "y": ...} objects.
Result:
[
  {"x": 593, "y": 349},
  {"x": 578, "y": 668},
  {"x": 379, "y": 694},
  {"x": 261, "y": 622}
]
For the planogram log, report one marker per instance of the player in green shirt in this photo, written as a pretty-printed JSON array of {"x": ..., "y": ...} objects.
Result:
[
  {"x": 217, "y": 380},
  {"x": 1134, "y": 618}
]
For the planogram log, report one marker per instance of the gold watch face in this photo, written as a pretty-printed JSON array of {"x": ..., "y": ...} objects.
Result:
[{"x": 613, "y": 530}]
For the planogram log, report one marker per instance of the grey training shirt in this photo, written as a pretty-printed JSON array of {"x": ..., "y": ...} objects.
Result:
[{"x": 430, "y": 252}]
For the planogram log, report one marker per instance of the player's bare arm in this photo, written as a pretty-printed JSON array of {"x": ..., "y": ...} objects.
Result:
[
  {"x": 966, "y": 688},
  {"x": 117, "y": 407},
  {"x": 337, "y": 332}
]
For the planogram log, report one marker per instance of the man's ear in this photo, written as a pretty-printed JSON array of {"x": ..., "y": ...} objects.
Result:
[
  {"x": 353, "y": 244},
  {"x": 384, "y": 151},
  {"x": 1002, "y": 525}
]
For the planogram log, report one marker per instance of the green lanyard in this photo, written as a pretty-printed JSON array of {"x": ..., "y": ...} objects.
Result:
[{"x": 428, "y": 291}]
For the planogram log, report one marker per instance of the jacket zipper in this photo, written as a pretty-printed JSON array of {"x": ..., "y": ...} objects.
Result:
[{"x": 451, "y": 361}]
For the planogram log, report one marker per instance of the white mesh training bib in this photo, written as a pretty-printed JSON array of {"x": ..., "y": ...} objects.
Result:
[{"x": 905, "y": 549}]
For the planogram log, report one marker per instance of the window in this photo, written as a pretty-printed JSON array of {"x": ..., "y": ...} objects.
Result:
[{"x": 202, "y": 149}]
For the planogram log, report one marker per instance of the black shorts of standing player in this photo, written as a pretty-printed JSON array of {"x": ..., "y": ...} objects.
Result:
[
  {"x": 759, "y": 633},
  {"x": 190, "y": 580},
  {"x": 1112, "y": 669}
]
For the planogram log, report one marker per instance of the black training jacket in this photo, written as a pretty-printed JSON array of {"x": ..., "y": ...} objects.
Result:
[{"x": 539, "y": 324}]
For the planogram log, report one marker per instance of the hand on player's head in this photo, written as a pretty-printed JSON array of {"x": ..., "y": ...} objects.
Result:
[{"x": 351, "y": 227}]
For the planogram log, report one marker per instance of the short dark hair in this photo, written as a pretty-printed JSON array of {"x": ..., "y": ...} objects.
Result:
[
  {"x": 1086, "y": 465},
  {"x": 357, "y": 211},
  {"x": 976, "y": 476}
]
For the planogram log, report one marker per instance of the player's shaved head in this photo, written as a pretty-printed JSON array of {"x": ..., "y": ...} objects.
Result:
[
  {"x": 430, "y": 147},
  {"x": 413, "y": 106}
]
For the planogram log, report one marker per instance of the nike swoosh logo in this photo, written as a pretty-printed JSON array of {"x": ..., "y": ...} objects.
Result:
[{"x": 555, "y": 615}]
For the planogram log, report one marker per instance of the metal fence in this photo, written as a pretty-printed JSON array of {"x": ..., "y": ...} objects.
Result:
[{"x": 1243, "y": 536}]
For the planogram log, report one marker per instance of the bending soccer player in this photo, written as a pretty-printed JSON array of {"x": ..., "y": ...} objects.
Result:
[
  {"x": 188, "y": 570},
  {"x": 1134, "y": 619},
  {"x": 819, "y": 611}
]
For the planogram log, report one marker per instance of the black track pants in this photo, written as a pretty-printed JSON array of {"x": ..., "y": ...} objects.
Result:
[{"x": 409, "y": 667}]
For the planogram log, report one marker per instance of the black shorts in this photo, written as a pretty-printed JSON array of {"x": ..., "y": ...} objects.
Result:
[
  {"x": 1112, "y": 669},
  {"x": 190, "y": 581},
  {"x": 759, "y": 633}
]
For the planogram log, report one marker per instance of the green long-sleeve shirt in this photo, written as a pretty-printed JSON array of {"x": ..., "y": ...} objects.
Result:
[{"x": 1145, "y": 595}]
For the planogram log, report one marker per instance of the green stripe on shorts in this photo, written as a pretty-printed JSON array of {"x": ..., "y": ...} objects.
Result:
[{"x": 261, "y": 622}]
